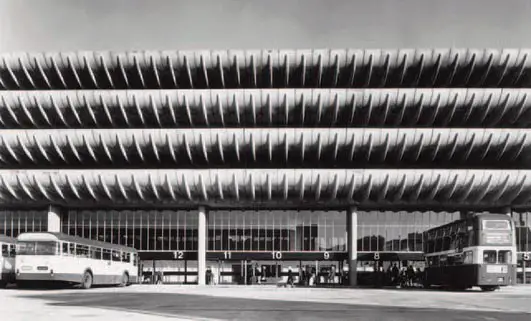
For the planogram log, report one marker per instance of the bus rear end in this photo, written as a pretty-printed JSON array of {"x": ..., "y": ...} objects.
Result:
[
  {"x": 37, "y": 259},
  {"x": 7, "y": 262},
  {"x": 496, "y": 255}
]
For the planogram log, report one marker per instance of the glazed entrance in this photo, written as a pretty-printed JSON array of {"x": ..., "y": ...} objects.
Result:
[{"x": 252, "y": 272}]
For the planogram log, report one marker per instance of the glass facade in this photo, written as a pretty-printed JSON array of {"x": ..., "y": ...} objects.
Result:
[
  {"x": 143, "y": 230},
  {"x": 263, "y": 230},
  {"x": 523, "y": 231},
  {"x": 12, "y": 223},
  {"x": 277, "y": 231},
  {"x": 397, "y": 231}
]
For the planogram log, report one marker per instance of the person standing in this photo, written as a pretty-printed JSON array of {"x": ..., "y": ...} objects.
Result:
[
  {"x": 209, "y": 276},
  {"x": 394, "y": 274},
  {"x": 410, "y": 275},
  {"x": 290, "y": 277}
]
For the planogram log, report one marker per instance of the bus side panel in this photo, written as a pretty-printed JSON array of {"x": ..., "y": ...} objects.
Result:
[
  {"x": 492, "y": 274},
  {"x": 465, "y": 275},
  {"x": 100, "y": 270}
]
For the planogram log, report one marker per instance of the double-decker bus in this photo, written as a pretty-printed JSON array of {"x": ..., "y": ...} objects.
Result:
[
  {"x": 477, "y": 251},
  {"x": 7, "y": 260},
  {"x": 61, "y": 258}
]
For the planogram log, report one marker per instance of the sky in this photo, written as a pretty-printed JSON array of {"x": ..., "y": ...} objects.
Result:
[{"x": 68, "y": 25}]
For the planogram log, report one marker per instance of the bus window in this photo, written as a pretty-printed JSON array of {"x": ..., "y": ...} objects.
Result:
[
  {"x": 438, "y": 244},
  {"x": 489, "y": 256},
  {"x": 135, "y": 259},
  {"x": 455, "y": 259},
  {"x": 65, "y": 248},
  {"x": 46, "y": 248},
  {"x": 106, "y": 254},
  {"x": 72, "y": 248},
  {"x": 95, "y": 253},
  {"x": 5, "y": 250},
  {"x": 496, "y": 225},
  {"x": 82, "y": 250},
  {"x": 12, "y": 250},
  {"x": 504, "y": 256},
  {"x": 26, "y": 248},
  {"x": 116, "y": 256},
  {"x": 468, "y": 257},
  {"x": 126, "y": 257},
  {"x": 38, "y": 248},
  {"x": 446, "y": 243},
  {"x": 431, "y": 246}
]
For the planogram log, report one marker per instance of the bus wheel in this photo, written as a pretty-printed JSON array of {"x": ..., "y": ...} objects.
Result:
[
  {"x": 86, "y": 282},
  {"x": 488, "y": 288},
  {"x": 125, "y": 280}
]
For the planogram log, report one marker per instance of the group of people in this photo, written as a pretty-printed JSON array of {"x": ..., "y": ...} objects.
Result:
[{"x": 405, "y": 276}]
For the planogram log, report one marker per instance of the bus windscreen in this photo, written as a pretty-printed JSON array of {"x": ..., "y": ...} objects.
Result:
[
  {"x": 36, "y": 248},
  {"x": 496, "y": 225}
]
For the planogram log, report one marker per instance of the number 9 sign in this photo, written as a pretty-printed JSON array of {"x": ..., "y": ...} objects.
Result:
[{"x": 326, "y": 255}]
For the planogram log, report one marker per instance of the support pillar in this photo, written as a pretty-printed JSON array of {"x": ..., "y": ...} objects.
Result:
[
  {"x": 54, "y": 219},
  {"x": 508, "y": 211},
  {"x": 352, "y": 245},
  {"x": 201, "y": 245}
]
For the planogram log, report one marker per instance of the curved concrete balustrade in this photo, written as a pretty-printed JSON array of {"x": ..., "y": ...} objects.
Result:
[
  {"x": 261, "y": 186},
  {"x": 264, "y": 147},
  {"x": 266, "y": 108},
  {"x": 336, "y": 68}
]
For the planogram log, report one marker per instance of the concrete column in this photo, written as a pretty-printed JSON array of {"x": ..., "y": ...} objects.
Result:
[
  {"x": 352, "y": 246},
  {"x": 54, "y": 219},
  {"x": 508, "y": 211},
  {"x": 201, "y": 244}
]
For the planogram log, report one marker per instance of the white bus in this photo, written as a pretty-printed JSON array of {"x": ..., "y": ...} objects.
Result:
[
  {"x": 7, "y": 261},
  {"x": 61, "y": 258}
]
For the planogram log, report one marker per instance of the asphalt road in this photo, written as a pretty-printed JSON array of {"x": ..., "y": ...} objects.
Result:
[{"x": 223, "y": 308}]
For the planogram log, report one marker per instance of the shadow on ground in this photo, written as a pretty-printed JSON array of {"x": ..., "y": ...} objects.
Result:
[{"x": 224, "y": 308}]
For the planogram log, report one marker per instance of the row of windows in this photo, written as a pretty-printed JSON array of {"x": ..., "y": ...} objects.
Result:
[
  {"x": 467, "y": 257},
  {"x": 277, "y": 231},
  {"x": 84, "y": 251},
  {"x": 256, "y": 230},
  {"x": 523, "y": 231},
  {"x": 398, "y": 231},
  {"x": 73, "y": 250},
  {"x": 251, "y": 230},
  {"x": 143, "y": 230},
  {"x": 12, "y": 223}
]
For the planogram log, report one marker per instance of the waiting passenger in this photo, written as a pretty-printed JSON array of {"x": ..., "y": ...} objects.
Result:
[
  {"x": 394, "y": 273},
  {"x": 410, "y": 275},
  {"x": 290, "y": 277},
  {"x": 209, "y": 276},
  {"x": 331, "y": 275}
]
